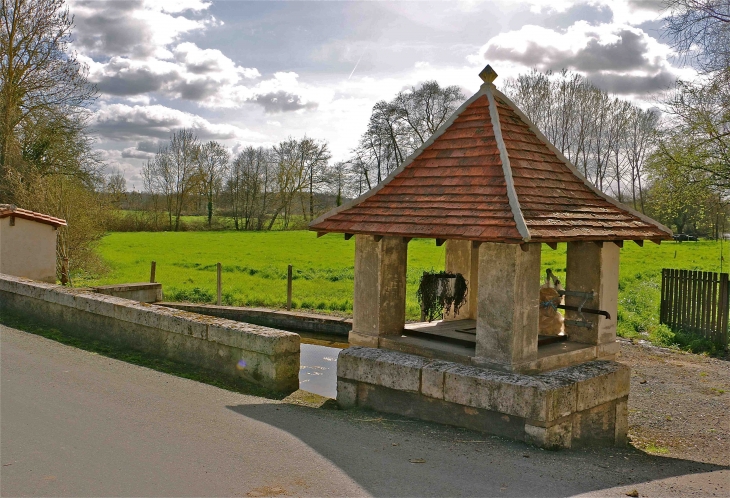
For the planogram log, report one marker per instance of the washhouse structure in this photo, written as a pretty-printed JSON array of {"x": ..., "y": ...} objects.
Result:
[
  {"x": 28, "y": 243},
  {"x": 491, "y": 187}
]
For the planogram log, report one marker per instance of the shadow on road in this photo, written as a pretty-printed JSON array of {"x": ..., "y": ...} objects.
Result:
[{"x": 391, "y": 455}]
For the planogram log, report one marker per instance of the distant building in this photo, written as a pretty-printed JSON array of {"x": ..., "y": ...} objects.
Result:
[{"x": 28, "y": 243}]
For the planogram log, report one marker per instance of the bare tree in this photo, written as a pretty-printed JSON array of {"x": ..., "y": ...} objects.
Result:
[
  {"x": 251, "y": 187},
  {"x": 700, "y": 31},
  {"x": 43, "y": 91},
  {"x": 699, "y": 111},
  {"x": 212, "y": 163},
  {"x": 314, "y": 156},
  {"x": 640, "y": 138},
  {"x": 173, "y": 172},
  {"x": 397, "y": 128},
  {"x": 607, "y": 138},
  {"x": 183, "y": 162}
]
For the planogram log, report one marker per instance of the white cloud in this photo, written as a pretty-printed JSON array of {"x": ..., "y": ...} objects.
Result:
[
  {"x": 211, "y": 62},
  {"x": 622, "y": 58},
  {"x": 631, "y": 12},
  {"x": 135, "y": 153},
  {"x": 137, "y": 28},
  {"x": 129, "y": 123},
  {"x": 142, "y": 53}
]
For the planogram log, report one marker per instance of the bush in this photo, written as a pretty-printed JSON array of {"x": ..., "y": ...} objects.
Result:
[{"x": 194, "y": 295}]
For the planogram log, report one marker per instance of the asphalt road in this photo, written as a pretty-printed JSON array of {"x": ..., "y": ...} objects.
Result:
[{"x": 73, "y": 423}]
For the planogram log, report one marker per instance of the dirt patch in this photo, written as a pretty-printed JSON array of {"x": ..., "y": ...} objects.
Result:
[{"x": 679, "y": 403}]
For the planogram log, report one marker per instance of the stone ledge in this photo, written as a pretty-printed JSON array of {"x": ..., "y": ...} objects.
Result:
[
  {"x": 542, "y": 398},
  {"x": 270, "y": 318},
  {"x": 256, "y": 338},
  {"x": 108, "y": 289},
  {"x": 381, "y": 367},
  {"x": 271, "y": 355}
]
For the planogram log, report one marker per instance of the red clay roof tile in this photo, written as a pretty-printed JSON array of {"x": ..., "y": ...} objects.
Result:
[
  {"x": 456, "y": 186},
  {"x": 11, "y": 210}
]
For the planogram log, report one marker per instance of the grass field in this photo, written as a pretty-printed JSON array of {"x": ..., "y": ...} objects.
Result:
[{"x": 255, "y": 264}]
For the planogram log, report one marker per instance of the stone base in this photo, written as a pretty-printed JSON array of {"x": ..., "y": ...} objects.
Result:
[{"x": 581, "y": 405}]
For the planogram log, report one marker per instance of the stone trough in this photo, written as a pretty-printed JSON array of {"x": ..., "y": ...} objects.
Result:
[{"x": 576, "y": 406}]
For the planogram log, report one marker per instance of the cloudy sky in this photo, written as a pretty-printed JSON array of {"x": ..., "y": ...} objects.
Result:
[{"x": 253, "y": 73}]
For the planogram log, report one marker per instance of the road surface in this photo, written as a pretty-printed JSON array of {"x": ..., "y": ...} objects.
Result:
[{"x": 73, "y": 423}]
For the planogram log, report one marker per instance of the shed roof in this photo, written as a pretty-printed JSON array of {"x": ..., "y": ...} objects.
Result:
[
  {"x": 488, "y": 174},
  {"x": 11, "y": 210}
]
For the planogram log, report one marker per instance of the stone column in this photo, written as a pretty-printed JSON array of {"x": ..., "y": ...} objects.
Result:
[
  {"x": 508, "y": 305},
  {"x": 379, "y": 305},
  {"x": 593, "y": 267},
  {"x": 462, "y": 256}
]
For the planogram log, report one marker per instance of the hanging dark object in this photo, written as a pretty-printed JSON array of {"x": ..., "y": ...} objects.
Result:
[{"x": 441, "y": 293}]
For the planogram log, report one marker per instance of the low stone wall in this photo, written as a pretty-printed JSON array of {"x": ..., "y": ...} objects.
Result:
[
  {"x": 290, "y": 320},
  {"x": 240, "y": 351},
  {"x": 144, "y": 292},
  {"x": 575, "y": 406}
]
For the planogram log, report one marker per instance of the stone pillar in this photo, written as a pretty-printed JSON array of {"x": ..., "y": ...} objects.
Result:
[
  {"x": 508, "y": 305},
  {"x": 379, "y": 305},
  {"x": 463, "y": 257},
  {"x": 593, "y": 267}
]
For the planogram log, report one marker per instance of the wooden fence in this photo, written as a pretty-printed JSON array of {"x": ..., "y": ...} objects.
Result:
[{"x": 696, "y": 301}]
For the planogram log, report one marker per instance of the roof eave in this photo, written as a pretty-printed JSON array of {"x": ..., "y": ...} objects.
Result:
[{"x": 577, "y": 173}]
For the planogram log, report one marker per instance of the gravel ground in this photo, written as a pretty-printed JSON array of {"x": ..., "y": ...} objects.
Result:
[{"x": 679, "y": 404}]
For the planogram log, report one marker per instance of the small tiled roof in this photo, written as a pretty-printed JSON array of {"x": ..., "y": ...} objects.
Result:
[
  {"x": 11, "y": 210},
  {"x": 489, "y": 175}
]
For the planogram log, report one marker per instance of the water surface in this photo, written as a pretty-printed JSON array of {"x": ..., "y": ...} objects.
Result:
[{"x": 318, "y": 365}]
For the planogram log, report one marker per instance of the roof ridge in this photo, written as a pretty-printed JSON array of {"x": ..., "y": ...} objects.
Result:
[
  {"x": 514, "y": 202},
  {"x": 572, "y": 167}
]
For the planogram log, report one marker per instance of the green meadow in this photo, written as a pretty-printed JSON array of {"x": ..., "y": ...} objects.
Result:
[{"x": 255, "y": 265}]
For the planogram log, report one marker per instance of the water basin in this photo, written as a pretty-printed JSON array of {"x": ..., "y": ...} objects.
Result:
[{"x": 318, "y": 364}]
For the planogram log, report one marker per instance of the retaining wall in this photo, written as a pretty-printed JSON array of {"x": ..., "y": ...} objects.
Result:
[
  {"x": 271, "y": 356},
  {"x": 581, "y": 405},
  {"x": 289, "y": 320},
  {"x": 144, "y": 292}
]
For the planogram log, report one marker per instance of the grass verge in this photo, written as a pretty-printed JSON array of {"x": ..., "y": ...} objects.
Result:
[
  {"x": 17, "y": 321},
  {"x": 255, "y": 268}
]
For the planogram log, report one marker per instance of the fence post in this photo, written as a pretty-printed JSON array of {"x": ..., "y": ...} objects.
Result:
[
  {"x": 218, "y": 289},
  {"x": 64, "y": 272},
  {"x": 288, "y": 287},
  {"x": 663, "y": 298},
  {"x": 724, "y": 298},
  {"x": 153, "y": 267}
]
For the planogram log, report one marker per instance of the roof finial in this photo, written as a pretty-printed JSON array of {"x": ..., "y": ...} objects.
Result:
[{"x": 488, "y": 75}]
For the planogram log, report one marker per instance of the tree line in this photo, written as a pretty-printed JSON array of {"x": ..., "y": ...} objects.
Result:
[
  {"x": 289, "y": 184},
  {"x": 258, "y": 188}
]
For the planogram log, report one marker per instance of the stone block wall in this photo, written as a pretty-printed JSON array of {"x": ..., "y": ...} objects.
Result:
[
  {"x": 144, "y": 292},
  {"x": 271, "y": 356},
  {"x": 570, "y": 407},
  {"x": 287, "y": 320}
]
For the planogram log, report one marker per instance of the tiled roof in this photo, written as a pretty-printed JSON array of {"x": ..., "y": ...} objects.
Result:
[
  {"x": 489, "y": 175},
  {"x": 10, "y": 210}
]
